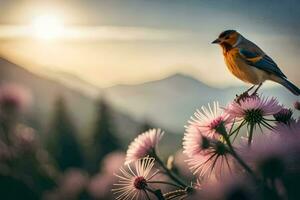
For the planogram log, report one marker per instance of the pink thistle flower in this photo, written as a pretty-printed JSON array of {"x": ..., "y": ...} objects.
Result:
[
  {"x": 194, "y": 143},
  {"x": 14, "y": 97},
  {"x": 134, "y": 183},
  {"x": 270, "y": 155},
  {"x": 208, "y": 120},
  {"x": 214, "y": 163},
  {"x": 232, "y": 187},
  {"x": 201, "y": 129},
  {"x": 253, "y": 108},
  {"x": 284, "y": 115},
  {"x": 144, "y": 145},
  {"x": 292, "y": 128}
]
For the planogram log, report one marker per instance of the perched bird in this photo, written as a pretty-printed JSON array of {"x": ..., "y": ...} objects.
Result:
[{"x": 249, "y": 63}]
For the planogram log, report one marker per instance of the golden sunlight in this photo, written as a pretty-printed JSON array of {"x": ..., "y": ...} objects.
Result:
[{"x": 47, "y": 27}]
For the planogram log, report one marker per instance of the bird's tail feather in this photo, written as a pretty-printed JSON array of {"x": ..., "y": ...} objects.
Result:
[{"x": 290, "y": 86}]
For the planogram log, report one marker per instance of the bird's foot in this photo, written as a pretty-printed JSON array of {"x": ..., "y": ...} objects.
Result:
[{"x": 242, "y": 96}]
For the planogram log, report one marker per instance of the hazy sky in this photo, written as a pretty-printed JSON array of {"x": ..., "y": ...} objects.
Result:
[{"x": 129, "y": 41}]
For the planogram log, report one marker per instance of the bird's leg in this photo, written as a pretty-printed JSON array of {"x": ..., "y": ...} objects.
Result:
[
  {"x": 249, "y": 89},
  {"x": 243, "y": 95},
  {"x": 255, "y": 91}
]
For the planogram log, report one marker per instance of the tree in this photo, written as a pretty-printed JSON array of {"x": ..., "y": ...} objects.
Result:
[
  {"x": 145, "y": 126},
  {"x": 62, "y": 138},
  {"x": 104, "y": 139}
]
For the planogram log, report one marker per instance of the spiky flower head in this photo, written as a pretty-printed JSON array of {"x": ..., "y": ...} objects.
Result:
[
  {"x": 134, "y": 182},
  {"x": 292, "y": 128},
  {"x": 253, "y": 110},
  {"x": 207, "y": 121},
  {"x": 144, "y": 145},
  {"x": 206, "y": 156},
  {"x": 284, "y": 115}
]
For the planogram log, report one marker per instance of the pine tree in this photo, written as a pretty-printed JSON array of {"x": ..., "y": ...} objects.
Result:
[
  {"x": 62, "y": 138},
  {"x": 104, "y": 135},
  {"x": 145, "y": 126}
]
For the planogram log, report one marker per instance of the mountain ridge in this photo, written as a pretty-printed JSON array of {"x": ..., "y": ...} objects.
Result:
[
  {"x": 169, "y": 102},
  {"x": 45, "y": 91}
]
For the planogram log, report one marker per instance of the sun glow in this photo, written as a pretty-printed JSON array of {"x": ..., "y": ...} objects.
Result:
[{"x": 47, "y": 27}]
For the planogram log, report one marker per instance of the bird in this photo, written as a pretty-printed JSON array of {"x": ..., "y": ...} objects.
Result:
[{"x": 249, "y": 63}]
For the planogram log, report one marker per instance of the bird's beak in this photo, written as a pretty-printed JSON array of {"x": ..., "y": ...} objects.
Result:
[{"x": 216, "y": 41}]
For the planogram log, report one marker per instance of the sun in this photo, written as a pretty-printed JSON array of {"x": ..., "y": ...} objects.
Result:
[{"x": 47, "y": 27}]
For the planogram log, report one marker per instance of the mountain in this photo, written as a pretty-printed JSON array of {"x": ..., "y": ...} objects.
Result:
[
  {"x": 80, "y": 103},
  {"x": 171, "y": 101},
  {"x": 167, "y": 103}
]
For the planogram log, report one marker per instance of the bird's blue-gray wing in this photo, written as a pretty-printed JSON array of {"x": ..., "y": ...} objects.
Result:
[{"x": 263, "y": 62}]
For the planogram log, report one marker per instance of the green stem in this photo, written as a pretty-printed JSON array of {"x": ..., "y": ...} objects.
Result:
[
  {"x": 238, "y": 128},
  {"x": 170, "y": 173},
  {"x": 250, "y": 134},
  {"x": 157, "y": 193},
  {"x": 235, "y": 155}
]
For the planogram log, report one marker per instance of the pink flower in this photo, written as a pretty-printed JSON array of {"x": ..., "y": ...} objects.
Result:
[
  {"x": 112, "y": 162},
  {"x": 197, "y": 184},
  {"x": 14, "y": 97},
  {"x": 284, "y": 115},
  {"x": 208, "y": 120},
  {"x": 134, "y": 182},
  {"x": 252, "y": 109},
  {"x": 232, "y": 187},
  {"x": 292, "y": 128},
  {"x": 145, "y": 144},
  {"x": 25, "y": 138},
  {"x": 74, "y": 181},
  {"x": 207, "y": 155},
  {"x": 270, "y": 155},
  {"x": 214, "y": 162},
  {"x": 100, "y": 186},
  {"x": 194, "y": 142},
  {"x": 202, "y": 129}
]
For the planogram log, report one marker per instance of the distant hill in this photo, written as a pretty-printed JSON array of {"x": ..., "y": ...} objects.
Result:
[
  {"x": 166, "y": 103},
  {"x": 171, "y": 101},
  {"x": 45, "y": 92}
]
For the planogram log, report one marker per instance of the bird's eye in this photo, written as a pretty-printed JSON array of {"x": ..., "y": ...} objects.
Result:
[{"x": 227, "y": 37}]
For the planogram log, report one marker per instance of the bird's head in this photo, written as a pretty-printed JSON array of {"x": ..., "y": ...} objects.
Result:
[{"x": 228, "y": 38}]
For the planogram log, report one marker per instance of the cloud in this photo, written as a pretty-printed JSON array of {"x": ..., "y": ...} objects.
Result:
[{"x": 105, "y": 33}]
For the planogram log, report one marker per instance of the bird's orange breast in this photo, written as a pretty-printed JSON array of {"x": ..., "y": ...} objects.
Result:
[{"x": 239, "y": 68}]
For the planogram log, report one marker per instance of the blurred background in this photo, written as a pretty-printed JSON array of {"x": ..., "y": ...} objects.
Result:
[{"x": 80, "y": 79}]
